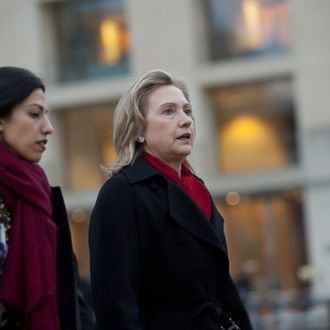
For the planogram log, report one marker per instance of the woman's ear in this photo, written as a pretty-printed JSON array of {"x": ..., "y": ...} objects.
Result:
[
  {"x": 1, "y": 134},
  {"x": 1, "y": 124}
]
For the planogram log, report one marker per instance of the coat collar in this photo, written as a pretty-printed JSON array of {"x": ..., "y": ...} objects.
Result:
[
  {"x": 140, "y": 170},
  {"x": 189, "y": 216},
  {"x": 181, "y": 207}
]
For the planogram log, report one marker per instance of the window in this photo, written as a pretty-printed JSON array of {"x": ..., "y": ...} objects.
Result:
[
  {"x": 255, "y": 126},
  {"x": 241, "y": 28},
  {"x": 268, "y": 231},
  {"x": 92, "y": 39},
  {"x": 87, "y": 132},
  {"x": 267, "y": 249}
]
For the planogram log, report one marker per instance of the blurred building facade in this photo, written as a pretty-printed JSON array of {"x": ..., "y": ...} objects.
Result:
[{"x": 258, "y": 72}]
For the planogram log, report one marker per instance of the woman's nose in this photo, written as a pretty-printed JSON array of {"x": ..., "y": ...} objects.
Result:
[
  {"x": 47, "y": 127},
  {"x": 186, "y": 120}
]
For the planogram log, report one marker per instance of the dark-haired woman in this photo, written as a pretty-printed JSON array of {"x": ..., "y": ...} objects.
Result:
[{"x": 37, "y": 267}]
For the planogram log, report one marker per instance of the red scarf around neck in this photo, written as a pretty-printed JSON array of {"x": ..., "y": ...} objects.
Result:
[
  {"x": 187, "y": 181},
  {"x": 28, "y": 282}
]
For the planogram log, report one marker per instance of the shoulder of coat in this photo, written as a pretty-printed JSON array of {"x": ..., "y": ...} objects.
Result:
[{"x": 115, "y": 184}]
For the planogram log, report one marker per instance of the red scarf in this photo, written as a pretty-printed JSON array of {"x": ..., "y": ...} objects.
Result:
[
  {"x": 187, "y": 181},
  {"x": 28, "y": 282}
]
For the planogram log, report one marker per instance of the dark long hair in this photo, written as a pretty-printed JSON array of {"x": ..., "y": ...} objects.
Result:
[{"x": 16, "y": 84}]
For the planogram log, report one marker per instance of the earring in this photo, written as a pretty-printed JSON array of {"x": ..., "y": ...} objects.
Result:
[{"x": 140, "y": 139}]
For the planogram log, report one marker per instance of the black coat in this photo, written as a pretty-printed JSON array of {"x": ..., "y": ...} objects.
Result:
[
  {"x": 74, "y": 312},
  {"x": 156, "y": 262}
]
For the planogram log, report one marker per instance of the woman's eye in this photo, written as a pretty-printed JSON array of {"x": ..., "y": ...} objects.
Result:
[
  {"x": 168, "y": 111},
  {"x": 188, "y": 112},
  {"x": 35, "y": 114}
]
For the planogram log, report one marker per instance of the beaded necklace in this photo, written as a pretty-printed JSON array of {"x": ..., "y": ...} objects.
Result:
[{"x": 5, "y": 224}]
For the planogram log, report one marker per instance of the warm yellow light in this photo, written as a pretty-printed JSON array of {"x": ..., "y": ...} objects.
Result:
[
  {"x": 233, "y": 198},
  {"x": 110, "y": 41},
  {"x": 246, "y": 128},
  {"x": 78, "y": 215},
  {"x": 249, "y": 143},
  {"x": 253, "y": 33}
]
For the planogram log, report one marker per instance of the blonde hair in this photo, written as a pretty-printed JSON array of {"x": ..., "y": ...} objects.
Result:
[{"x": 129, "y": 116}]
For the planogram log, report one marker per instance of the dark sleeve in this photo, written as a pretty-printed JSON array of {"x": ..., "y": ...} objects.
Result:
[
  {"x": 234, "y": 308},
  {"x": 115, "y": 265},
  {"x": 84, "y": 311},
  {"x": 87, "y": 318},
  {"x": 74, "y": 312}
]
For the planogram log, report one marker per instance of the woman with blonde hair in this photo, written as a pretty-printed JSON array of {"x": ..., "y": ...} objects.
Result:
[{"x": 158, "y": 253}]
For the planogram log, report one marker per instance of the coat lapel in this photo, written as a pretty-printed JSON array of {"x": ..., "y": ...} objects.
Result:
[
  {"x": 184, "y": 210},
  {"x": 217, "y": 223}
]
